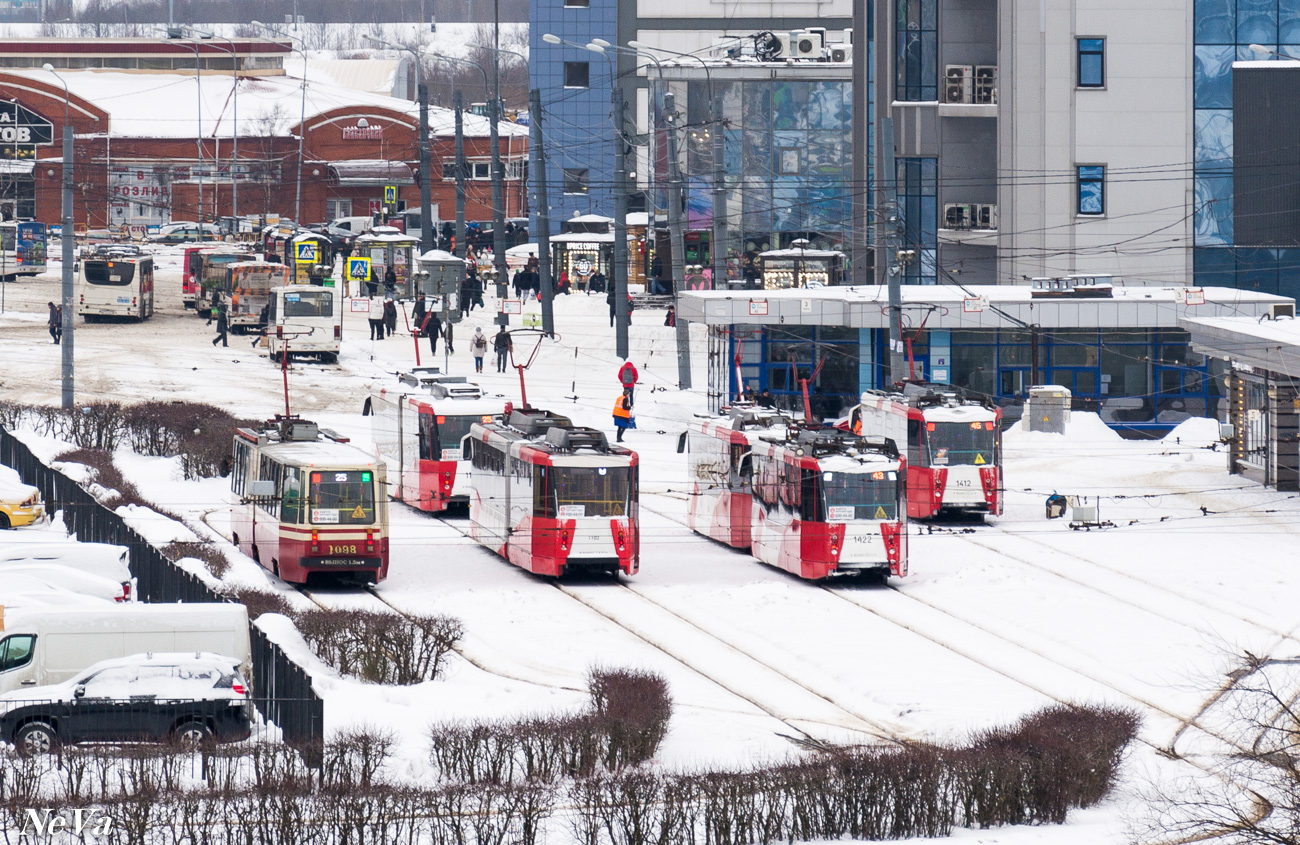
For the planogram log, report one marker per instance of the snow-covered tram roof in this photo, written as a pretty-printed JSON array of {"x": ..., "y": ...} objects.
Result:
[
  {"x": 303, "y": 444},
  {"x": 937, "y": 402},
  {"x": 840, "y": 450},
  {"x": 556, "y": 435}
]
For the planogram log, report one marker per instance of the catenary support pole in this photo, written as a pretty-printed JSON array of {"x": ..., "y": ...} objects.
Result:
[
  {"x": 889, "y": 233},
  {"x": 67, "y": 238},
  {"x": 677, "y": 242},
  {"x": 498, "y": 175},
  {"x": 719, "y": 245},
  {"x": 460, "y": 177},
  {"x": 426, "y": 218},
  {"x": 619, "y": 277},
  {"x": 546, "y": 288}
]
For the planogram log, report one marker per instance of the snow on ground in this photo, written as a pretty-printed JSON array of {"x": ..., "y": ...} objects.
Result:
[{"x": 993, "y": 622}]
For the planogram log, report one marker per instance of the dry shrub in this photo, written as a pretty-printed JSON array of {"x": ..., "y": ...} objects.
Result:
[
  {"x": 259, "y": 602},
  {"x": 206, "y": 552},
  {"x": 634, "y": 709},
  {"x": 106, "y": 476},
  {"x": 381, "y": 648}
]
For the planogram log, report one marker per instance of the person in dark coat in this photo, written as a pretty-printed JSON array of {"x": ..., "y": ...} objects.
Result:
[
  {"x": 56, "y": 322},
  {"x": 390, "y": 283},
  {"x": 417, "y": 314},
  {"x": 475, "y": 289},
  {"x": 518, "y": 283},
  {"x": 609, "y": 297},
  {"x": 390, "y": 317},
  {"x": 670, "y": 319},
  {"x": 431, "y": 327},
  {"x": 502, "y": 345},
  {"x": 223, "y": 325},
  {"x": 372, "y": 286},
  {"x": 597, "y": 282}
]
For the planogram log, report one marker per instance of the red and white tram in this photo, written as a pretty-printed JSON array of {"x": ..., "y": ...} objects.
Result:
[
  {"x": 419, "y": 428},
  {"x": 305, "y": 502},
  {"x": 720, "y": 452},
  {"x": 954, "y": 446},
  {"x": 551, "y": 497},
  {"x": 827, "y": 502}
]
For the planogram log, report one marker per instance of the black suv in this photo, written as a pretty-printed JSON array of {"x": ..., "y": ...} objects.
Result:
[{"x": 188, "y": 699}]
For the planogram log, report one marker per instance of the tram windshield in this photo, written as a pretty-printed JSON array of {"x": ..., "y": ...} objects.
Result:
[
  {"x": 591, "y": 491},
  {"x": 961, "y": 443},
  {"x": 309, "y": 303},
  {"x": 116, "y": 273},
  {"x": 452, "y": 429},
  {"x": 860, "y": 495},
  {"x": 342, "y": 497}
]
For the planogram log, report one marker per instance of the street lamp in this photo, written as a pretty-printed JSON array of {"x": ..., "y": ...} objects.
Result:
[
  {"x": 234, "y": 132},
  {"x": 302, "y": 116},
  {"x": 422, "y": 92},
  {"x": 66, "y": 239}
]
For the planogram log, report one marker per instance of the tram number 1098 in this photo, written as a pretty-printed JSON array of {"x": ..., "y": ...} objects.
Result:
[{"x": 341, "y": 550}]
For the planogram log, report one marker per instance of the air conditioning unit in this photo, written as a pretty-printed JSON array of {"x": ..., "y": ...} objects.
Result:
[
  {"x": 957, "y": 215},
  {"x": 783, "y": 52},
  {"x": 957, "y": 84},
  {"x": 986, "y": 84},
  {"x": 840, "y": 53},
  {"x": 807, "y": 43},
  {"x": 985, "y": 216}
]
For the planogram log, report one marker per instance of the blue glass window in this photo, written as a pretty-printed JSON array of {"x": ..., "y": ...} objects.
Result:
[
  {"x": 1092, "y": 62},
  {"x": 1257, "y": 21},
  {"x": 1213, "y": 218},
  {"x": 1216, "y": 21},
  {"x": 917, "y": 73},
  {"x": 1214, "y": 76},
  {"x": 918, "y": 191},
  {"x": 1092, "y": 189}
]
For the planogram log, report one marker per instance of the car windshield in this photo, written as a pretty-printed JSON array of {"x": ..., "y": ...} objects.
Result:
[
  {"x": 342, "y": 498},
  {"x": 860, "y": 495},
  {"x": 309, "y": 303},
  {"x": 961, "y": 443}
]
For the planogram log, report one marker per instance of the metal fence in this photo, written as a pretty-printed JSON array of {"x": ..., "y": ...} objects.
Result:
[{"x": 281, "y": 688}]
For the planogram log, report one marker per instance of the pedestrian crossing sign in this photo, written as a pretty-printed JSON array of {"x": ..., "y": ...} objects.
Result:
[
  {"x": 305, "y": 252},
  {"x": 358, "y": 269},
  {"x": 390, "y": 195}
]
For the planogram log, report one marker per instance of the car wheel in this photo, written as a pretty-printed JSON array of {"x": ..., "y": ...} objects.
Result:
[
  {"x": 190, "y": 736},
  {"x": 4, "y": 519},
  {"x": 35, "y": 738}
]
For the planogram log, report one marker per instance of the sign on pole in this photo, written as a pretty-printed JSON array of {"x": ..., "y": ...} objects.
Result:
[
  {"x": 974, "y": 304},
  {"x": 358, "y": 269},
  {"x": 512, "y": 306},
  {"x": 305, "y": 252},
  {"x": 390, "y": 195}
]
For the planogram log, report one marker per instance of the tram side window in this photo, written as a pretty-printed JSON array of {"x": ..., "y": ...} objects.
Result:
[
  {"x": 543, "y": 502},
  {"x": 239, "y": 473},
  {"x": 767, "y": 482},
  {"x": 740, "y": 467},
  {"x": 809, "y": 502},
  {"x": 489, "y": 458},
  {"x": 291, "y": 507},
  {"x": 274, "y": 472},
  {"x": 428, "y": 438},
  {"x": 914, "y": 443}
]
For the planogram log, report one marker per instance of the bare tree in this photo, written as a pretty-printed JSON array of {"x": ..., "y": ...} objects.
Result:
[{"x": 1250, "y": 791}]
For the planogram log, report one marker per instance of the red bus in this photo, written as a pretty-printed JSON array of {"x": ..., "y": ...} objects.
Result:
[
  {"x": 551, "y": 497},
  {"x": 954, "y": 446},
  {"x": 419, "y": 426},
  {"x": 304, "y": 503}
]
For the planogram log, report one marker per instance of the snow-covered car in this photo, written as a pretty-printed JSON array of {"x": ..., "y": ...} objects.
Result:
[
  {"x": 38, "y": 595},
  {"x": 20, "y": 504},
  {"x": 188, "y": 699},
  {"x": 18, "y": 577},
  {"x": 185, "y": 232},
  {"x": 102, "y": 559}
]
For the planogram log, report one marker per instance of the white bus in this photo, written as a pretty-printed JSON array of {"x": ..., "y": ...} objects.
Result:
[
  {"x": 115, "y": 283},
  {"x": 304, "y": 320},
  {"x": 22, "y": 249}
]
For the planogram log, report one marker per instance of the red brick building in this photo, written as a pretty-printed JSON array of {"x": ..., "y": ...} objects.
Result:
[{"x": 155, "y": 137}]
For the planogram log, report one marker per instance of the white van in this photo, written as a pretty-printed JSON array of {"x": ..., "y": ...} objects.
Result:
[
  {"x": 355, "y": 225},
  {"x": 41, "y": 647},
  {"x": 304, "y": 320}
]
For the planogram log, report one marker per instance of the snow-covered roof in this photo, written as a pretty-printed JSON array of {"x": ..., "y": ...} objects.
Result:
[
  {"x": 970, "y": 307},
  {"x": 376, "y": 76},
  {"x": 795, "y": 252},
  {"x": 1262, "y": 344},
  {"x": 167, "y": 105}
]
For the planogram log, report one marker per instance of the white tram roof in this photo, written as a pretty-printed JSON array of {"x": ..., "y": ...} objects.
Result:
[
  {"x": 320, "y": 453},
  {"x": 998, "y": 306}
]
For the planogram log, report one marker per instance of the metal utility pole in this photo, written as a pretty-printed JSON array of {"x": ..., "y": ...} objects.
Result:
[
  {"x": 719, "y": 246},
  {"x": 619, "y": 269},
  {"x": 886, "y": 236},
  {"x": 859, "y": 245},
  {"x": 67, "y": 239},
  {"x": 498, "y": 189},
  {"x": 546, "y": 289},
  {"x": 426, "y": 220},
  {"x": 677, "y": 243},
  {"x": 460, "y": 177}
]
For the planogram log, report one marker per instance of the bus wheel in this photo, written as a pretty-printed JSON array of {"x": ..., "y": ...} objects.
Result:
[
  {"x": 329, "y": 358},
  {"x": 256, "y": 557},
  {"x": 275, "y": 356}
]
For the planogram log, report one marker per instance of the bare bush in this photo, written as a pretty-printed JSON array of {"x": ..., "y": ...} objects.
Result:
[
  {"x": 117, "y": 490},
  {"x": 382, "y": 648},
  {"x": 208, "y": 553},
  {"x": 634, "y": 709},
  {"x": 259, "y": 602}
]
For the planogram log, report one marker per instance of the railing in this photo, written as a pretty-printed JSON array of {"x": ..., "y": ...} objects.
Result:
[{"x": 282, "y": 690}]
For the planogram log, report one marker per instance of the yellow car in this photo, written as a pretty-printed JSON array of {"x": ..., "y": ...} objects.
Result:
[{"x": 20, "y": 504}]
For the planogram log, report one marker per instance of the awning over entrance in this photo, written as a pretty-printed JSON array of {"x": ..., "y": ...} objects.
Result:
[{"x": 370, "y": 173}]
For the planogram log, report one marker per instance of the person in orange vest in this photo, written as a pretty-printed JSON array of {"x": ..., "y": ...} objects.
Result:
[{"x": 623, "y": 419}]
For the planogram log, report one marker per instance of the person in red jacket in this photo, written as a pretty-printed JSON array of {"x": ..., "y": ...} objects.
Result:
[{"x": 627, "y": 376}]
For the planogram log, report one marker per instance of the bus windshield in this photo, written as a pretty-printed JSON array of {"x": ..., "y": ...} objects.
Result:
[
  {"x": 591, "y": 491},
  {"x": 309, "y": 303},
  {"x": 860, "y": 495},
  {"x": 9, "y": 237},
  {"x": 116, "y": 273},
  {"x": 342, "y": 498},
  {"x": 961, "y": 444}
]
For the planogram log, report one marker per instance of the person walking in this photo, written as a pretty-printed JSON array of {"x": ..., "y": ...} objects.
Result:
[
  {"x": 390, "y": 283},
  {"x": 431, "y": 327},
  {"x": 376, "y": 317},
  {"x": 478, "y": 345},
  {"x": 223, "y": 324},
  {"x": 609, "y": 297},
  {"x": 417, "y": 314},
  {"x": 390, "y": 317},
  {"x": 372, "y": 286},
  {"x": 628, "y": 376},
  {"x": 212, "y": 311},
  {"x": 448, "y": 330},
  {"x": 670, "y": 319},
  {"x": 623, "y": 419},
  {"x": 503, "y": 346},
  {"x": 56, "y": 323}
]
